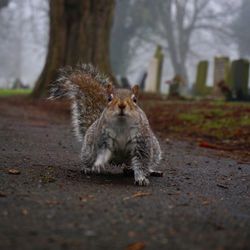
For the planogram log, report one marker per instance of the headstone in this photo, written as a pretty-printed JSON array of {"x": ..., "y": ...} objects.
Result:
[
  {"x": 239, "y": 78},
  {"x": 152, "y": 74},
  {"x": 160, "y": 57},
  {"x": 221, "y": 70},
  {"x": 153, "y": 80},
  {"x": 201, "y": 78}
]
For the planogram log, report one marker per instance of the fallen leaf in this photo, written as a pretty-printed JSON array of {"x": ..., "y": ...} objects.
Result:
[
  {"x": 205, "y": 203},
  {"x": 140, "y": 194},
  {"x": 136, "y": 246},
  {"x": 2, "y": 194},
  {"x": 137, "y": 194},
  {"x": 14, "y": 171},
  {"x": 86, "y": 198},
  {"x": 205, "y": 144}
]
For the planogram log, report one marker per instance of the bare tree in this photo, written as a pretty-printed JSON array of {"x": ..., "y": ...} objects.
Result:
[
  {"x": 240, "y": 28},
  {"x": 11, "y": 40},
  {"x": 79, "y": 30},
  {"x": 176, "y": 25},
  {"x": 177, "y": 21},
  {"x": 23, "y": 33}
]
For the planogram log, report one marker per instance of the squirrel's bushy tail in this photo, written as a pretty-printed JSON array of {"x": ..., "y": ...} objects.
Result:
[{"x": 85, "y": 87}]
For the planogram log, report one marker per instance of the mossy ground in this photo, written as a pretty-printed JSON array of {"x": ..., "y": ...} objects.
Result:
[
  {"x": 219, "y": 122},
  {"x": 222, "y": 123}
]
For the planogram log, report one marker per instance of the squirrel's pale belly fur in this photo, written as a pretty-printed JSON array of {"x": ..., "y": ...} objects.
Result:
[{"x": 118, "y": 133}]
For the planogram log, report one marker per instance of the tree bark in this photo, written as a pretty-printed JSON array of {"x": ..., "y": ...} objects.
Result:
[{"x": 79, "y": 32}]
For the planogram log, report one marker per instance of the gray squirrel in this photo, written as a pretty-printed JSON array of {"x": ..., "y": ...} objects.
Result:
[{"x": 112, "y": 127}]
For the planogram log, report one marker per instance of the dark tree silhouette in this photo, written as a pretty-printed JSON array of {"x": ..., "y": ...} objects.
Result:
[
  {"x": 3, "y": 3},
  {"x": 79, "y": 31}
]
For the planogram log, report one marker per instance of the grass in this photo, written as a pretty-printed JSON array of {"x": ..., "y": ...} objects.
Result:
[
  {"x": 10, "y": 92},
  {"x": 217, "y": 121},
  {"x": 191, "y": 117}
]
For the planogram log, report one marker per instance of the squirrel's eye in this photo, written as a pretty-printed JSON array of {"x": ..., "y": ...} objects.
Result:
[
  {"x": 134, "y": 98},
  {"x": 110, "y": 98}
]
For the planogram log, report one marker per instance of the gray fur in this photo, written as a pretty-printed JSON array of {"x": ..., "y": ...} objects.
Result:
[
  {"x": 130, "y": 142},
  {"x": 108, "y": 138}
]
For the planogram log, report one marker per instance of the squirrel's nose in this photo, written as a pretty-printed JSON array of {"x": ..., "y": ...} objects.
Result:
[{"x": 122, "y": 105}]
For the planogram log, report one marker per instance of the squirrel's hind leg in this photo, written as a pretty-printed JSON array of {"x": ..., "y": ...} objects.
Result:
[
  {"x": 156, "y": 158},
  {"x": 141, "y": 172},
  {"x": 88, "y": 156}
]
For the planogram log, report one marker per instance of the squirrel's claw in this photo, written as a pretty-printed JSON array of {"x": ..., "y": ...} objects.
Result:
[
  {"x": 97, "y": 168},
  {"x": 86, "y": 171},
  {"x": 140, "y": 177},
  {"x": 142, "y": 181}
]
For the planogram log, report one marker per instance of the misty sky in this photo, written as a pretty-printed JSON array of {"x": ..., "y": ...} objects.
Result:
[{"x": 24, "y": 25}]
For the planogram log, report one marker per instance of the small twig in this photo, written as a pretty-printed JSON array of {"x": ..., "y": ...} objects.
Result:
[{"x": 138, "y": 194}]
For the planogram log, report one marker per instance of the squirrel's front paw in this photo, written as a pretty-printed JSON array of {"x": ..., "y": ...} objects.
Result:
[
  {"x": 140, "y": 178},
  {"x": 101, "y": 160},
  {"x": 97, "y": 168},
  {"x": 93, "y": 169},
  {"x": 142, "y": 181}
]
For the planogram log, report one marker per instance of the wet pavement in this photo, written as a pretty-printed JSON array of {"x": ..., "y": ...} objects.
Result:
[{"x": 201, "y": 202}]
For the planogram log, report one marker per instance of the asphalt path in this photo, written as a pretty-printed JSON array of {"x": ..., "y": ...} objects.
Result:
[{"x": 201, "y": 202}]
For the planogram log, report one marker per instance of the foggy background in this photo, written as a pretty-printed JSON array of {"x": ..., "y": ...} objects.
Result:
[{"x": 192, "y": 30}]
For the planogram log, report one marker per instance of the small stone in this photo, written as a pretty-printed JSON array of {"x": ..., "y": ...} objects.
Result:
[
  {"x": 5, "y": 213},
  {"x": 90, "y": 233},
  {"x": 24, "y": 211},
  {"x": 131, "y": 234}
]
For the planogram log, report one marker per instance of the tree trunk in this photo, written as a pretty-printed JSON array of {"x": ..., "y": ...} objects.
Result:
[{"x": 79, "y": 32}]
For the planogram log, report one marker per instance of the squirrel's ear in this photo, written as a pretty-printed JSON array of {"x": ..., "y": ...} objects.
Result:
[
  {"x": 135, "y": 90},
  {"x": 109, "y": 89}
]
